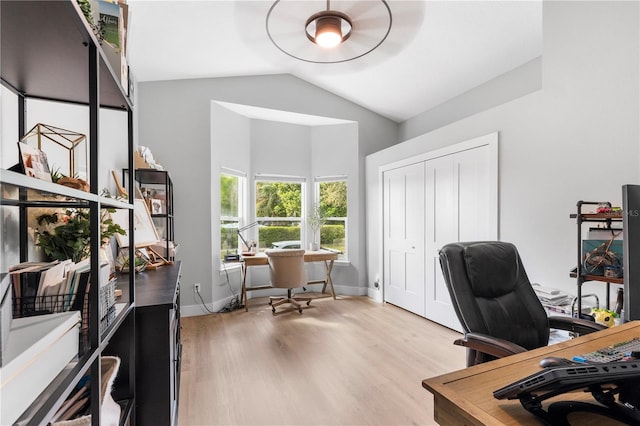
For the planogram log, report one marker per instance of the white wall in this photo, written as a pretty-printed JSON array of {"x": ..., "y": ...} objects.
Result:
[
  {"x": 576, "y": 139},
  {"x": 514, "y": 84},
  {"x": 231, "y": 148},
  {"x": 334, "y": 152}
]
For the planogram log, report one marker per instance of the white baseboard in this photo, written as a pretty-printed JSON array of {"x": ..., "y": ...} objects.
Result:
[
  {"x": 218, "y": 305},
  {"x": 196, "y": 310},
  {"x": 374, "y": 293}
]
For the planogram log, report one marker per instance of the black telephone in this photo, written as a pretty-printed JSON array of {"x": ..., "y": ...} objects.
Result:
[{"x": 603, "y": 380}]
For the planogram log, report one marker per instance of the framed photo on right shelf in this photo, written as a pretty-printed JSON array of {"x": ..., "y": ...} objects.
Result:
[
  {"x": 158, "y": 206},
  {"x": 34, "y": 162}
]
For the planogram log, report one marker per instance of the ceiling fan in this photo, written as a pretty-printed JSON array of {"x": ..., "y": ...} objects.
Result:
[{"x": 297, "y": 28}]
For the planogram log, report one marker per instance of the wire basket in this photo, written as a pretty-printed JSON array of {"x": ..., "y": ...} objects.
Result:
[
  {"x": 28, "y": 306},
  {"x": 42, "y": 305}
]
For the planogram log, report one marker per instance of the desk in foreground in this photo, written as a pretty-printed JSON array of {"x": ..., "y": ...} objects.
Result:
[
  {"x": 325, "y": 256},
  {"x": 466, "y": 396}
]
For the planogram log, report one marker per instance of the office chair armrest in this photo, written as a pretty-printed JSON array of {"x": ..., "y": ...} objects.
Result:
[
  {"x": 575, "y": 325},
  {"x": 489, "y": 345}
]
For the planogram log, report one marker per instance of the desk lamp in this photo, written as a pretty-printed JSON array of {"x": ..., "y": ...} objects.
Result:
[{"x": 244, "y": 228}]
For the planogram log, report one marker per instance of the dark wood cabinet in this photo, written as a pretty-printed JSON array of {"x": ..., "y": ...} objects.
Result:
[{"x": 158, "y": 348}]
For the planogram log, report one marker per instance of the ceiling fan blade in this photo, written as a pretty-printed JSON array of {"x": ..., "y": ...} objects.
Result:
[{"x": 361, "y": 9}]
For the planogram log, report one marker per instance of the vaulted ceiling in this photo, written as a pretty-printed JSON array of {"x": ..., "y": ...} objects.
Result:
[{"x": 435, "y": 50}]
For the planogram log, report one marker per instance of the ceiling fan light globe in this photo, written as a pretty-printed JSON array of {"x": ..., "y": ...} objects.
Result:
[
  {"x": 328, "y": 31},
  {"x": 328, "y": 39}
]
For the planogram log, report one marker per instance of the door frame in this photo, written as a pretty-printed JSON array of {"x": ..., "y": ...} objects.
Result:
[{"x": 489, "y": 140}]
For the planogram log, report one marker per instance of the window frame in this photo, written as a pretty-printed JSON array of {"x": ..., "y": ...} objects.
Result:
[
  {"x": 318, "y": 180},
  {"x": 242, "y": 206}
]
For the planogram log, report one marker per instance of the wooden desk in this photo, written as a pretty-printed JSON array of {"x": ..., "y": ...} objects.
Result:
[
  {"x": 466, "y": 396},
  {"x": 325, "y": 256}
]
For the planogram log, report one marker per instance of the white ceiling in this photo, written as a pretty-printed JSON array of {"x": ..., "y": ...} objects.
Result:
[{"x": 435, "y": 51}]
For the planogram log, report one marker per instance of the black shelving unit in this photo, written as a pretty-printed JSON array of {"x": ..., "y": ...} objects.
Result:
[
  {"x": 607, "y": 218},
  {"x": 48, "y": 52},
  {"x": 162, "y": 212}
]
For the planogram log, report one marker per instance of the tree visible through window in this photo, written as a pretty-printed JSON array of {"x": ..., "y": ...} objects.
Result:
[{"x": 279, "y": 213}]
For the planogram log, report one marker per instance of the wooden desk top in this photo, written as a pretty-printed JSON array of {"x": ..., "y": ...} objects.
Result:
[
  {"x": 157, "y": 287},
  {"x": 466, "y": 396},
  {"x": 309, "y": 256}
]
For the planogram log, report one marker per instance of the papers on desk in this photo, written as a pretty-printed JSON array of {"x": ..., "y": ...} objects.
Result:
[{"x": 551, "y": 296}]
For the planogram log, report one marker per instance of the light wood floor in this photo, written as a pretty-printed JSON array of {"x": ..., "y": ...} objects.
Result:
[{"x": 350, "y": 361}]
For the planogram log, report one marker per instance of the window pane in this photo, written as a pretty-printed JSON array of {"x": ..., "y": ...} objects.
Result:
[
  {"x": 278, "y": 199},
  {"x": 279, "y": 234},
  {"x": 231, "y": 188},
  {"x": 332, "y": 235},
  {"x": 228, "y": 195},
  {"x": 333, "y": 203},
  {"x": 228, "y": 237},
  {"x": 279, "y": 212},
  {"x": 333, "y": 198}
]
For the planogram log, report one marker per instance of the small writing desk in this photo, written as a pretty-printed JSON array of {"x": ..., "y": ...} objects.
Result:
[
  {"x": 466, "y": 396},
  {"x": 326, "y": 256}
]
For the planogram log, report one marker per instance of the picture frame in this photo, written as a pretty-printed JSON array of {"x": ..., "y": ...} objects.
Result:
[
  {"x": 145, "y": 232},
  {"x": 34, "y": 162},
  {"x": 158, "y": 206}
]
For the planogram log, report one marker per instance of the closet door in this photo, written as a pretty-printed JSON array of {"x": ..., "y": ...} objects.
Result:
[
  {"x": 460, "y": 207},
  {"x": 403, "y": 241},
  {"x": 441, "y": 199}
]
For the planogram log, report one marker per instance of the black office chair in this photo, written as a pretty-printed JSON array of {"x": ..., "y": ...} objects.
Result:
[{"x": 495, "y": 303}]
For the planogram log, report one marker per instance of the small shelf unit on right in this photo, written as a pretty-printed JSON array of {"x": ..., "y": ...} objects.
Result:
[
  {"x": 157, "y": 188},
  {"x": 607, "y": 218}
]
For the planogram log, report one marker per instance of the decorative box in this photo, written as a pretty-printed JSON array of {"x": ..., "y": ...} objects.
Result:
[
  {"x": 38, "y": 349},
  {"x": 67, "y": 151}
]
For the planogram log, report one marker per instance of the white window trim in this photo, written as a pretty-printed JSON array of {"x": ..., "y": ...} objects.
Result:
[
  {"x": 316, "y": 198},
  {"x": 242, "y": 209}
]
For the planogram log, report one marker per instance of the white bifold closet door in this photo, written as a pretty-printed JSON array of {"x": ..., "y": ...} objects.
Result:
[
  {"x": 428, "y": 204},
  {"x": 404, "y": 237}
]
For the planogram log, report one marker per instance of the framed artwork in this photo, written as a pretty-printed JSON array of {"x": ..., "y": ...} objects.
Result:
[
  {"x": 157, "y": 206},
  {"x": 34, "y": 162},
  {"x": 145, "y": 232}
]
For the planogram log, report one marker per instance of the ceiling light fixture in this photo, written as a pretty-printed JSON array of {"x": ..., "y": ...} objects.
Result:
[
  {"x": 366, "y": 25},
  {"x": 328, "y": 28}
]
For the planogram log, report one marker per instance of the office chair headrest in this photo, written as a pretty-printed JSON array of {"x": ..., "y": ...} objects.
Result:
[
  {"x": 284, "y": 252},
  {"x": 492, "y": 268}
]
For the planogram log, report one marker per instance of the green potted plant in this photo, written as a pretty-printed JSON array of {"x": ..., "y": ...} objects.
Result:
[
  {"x": 65, "y": 233},
  {"x": 315, "y": 220}
]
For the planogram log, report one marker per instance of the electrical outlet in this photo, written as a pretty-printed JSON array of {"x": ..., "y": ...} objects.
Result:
[{"x": 196, "y": 287}]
